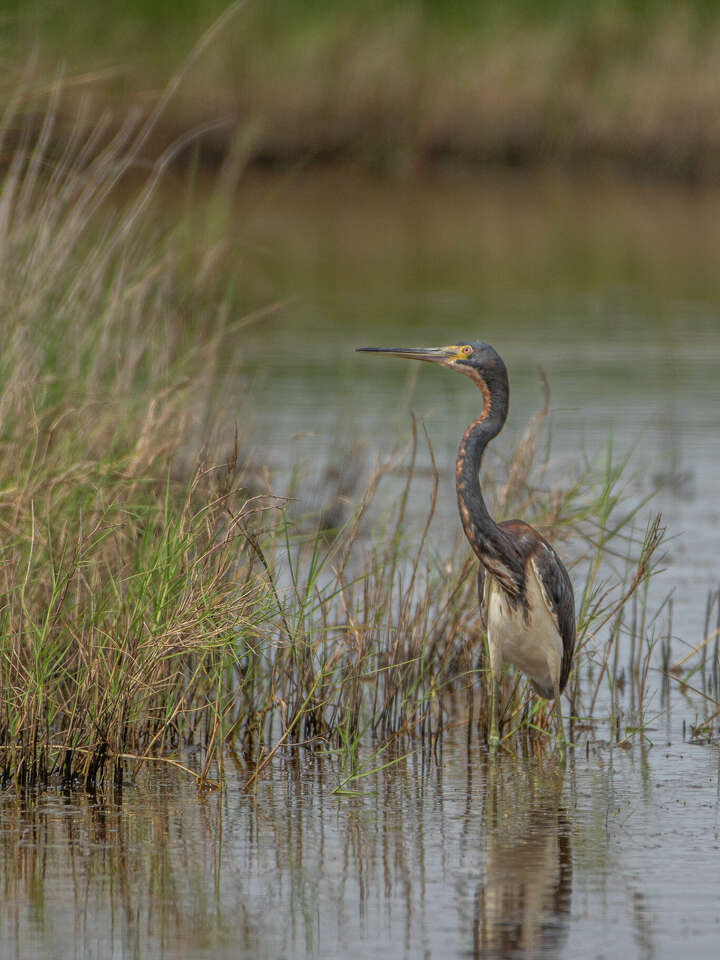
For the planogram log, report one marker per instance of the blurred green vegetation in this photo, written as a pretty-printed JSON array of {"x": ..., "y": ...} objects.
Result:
[
  {"x": 394, "y": 83},
  {"x": 116, "y": 16},
  {"x": 119, "y": 19}
]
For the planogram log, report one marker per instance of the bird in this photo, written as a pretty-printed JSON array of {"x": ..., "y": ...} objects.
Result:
[{"x": 527, "y": 604}]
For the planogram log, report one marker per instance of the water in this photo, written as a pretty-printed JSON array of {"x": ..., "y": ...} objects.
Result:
[
  {"x": 617, "y": 856},
  {"x": 615, "y": 291}
]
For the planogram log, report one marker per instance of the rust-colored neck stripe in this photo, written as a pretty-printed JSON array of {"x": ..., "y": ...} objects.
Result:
[{"x": 487, "y": 404}]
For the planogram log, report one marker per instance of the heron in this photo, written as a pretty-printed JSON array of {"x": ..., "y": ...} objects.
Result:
[{"x": 527, "y": 604}]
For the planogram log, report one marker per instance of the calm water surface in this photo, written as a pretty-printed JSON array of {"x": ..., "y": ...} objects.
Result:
[
  {"x": 615, "y": 291},
  {"x": 615, "y": 856}
]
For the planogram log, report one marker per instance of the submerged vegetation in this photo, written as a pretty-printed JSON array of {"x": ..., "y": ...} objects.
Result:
[{"x": 162, "y": 602}]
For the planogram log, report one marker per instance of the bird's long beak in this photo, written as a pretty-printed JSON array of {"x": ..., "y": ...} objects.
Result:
[{"x": 430, "y": 354}]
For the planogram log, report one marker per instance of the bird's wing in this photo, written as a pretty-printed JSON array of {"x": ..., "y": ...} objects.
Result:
[{"x": 558, "y": 595}]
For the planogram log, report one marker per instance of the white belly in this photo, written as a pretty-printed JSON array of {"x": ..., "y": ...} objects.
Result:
[{"x": 531, "y": 643}]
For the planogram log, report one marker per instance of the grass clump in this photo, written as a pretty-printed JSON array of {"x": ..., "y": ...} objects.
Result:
[{"x": 121, "y": 611}]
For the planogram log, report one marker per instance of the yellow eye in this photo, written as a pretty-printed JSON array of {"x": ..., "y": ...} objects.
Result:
[{"x": 467, "y": 350}]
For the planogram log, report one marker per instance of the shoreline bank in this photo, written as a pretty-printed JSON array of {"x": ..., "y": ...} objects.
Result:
[{"x": 398, "y": 90}]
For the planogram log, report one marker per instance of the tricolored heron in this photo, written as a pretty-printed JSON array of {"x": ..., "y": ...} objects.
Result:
[{"x": 526, "y": 597}]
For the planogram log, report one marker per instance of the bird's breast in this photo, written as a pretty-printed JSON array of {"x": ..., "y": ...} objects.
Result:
[{"x": 524, "y": 635}]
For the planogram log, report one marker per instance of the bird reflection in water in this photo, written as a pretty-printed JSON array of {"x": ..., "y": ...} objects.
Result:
[{"x": 522, "y": 908}]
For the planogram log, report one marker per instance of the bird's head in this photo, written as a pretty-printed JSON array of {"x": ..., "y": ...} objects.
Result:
[{"x": 477, "y": 360}]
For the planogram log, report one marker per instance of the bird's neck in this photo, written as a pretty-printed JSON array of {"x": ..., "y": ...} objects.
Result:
[{"x": 494, "y": 548}]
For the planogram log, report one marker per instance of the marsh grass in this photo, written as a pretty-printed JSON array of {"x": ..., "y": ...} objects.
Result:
[
  {"x": 161, "y": 604},
  {"x": 120, "y": 614},
  {"x": 697, "y": 672}
]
